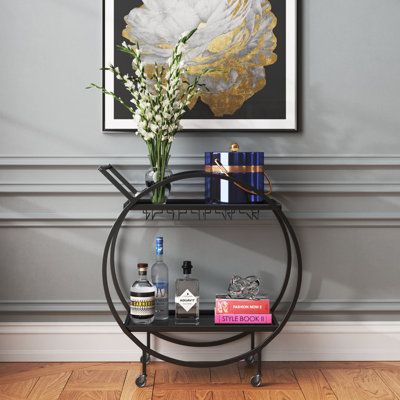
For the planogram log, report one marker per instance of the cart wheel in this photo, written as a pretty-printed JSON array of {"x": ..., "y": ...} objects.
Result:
[
  {"x": 147, "y": 358},
  {"x": 250, "y": 360},
  {"x": 141, "y": 381},
  {"x": 256, "y": 380}
]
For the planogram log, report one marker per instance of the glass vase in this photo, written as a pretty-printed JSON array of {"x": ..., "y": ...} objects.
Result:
[{"x": 159, "y": 195}]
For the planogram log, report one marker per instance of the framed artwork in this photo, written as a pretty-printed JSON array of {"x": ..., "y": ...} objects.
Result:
[{"x": 250, "y": 44}]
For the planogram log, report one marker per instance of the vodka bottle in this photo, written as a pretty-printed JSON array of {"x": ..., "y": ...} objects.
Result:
[
  {"x": 187, "y": 297},
  {"x": 159, "y": 277},
  {"x": 142, "y": 298}
]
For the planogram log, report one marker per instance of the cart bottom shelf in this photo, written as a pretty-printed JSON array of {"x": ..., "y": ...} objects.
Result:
[{"x": 205, "y": 324}]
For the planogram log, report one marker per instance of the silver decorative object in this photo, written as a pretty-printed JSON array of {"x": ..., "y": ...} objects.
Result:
[{"x": 243, "y": 288}]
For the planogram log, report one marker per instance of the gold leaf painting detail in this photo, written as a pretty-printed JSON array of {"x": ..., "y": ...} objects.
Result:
[{"x": 234, "y": 37}]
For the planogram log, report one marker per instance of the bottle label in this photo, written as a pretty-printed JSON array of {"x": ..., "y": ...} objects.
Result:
[
  {"x": 142, "y": 304},
  {"x": 161, "y": 289},
  {"x": 159, "y": 246},
  {"x": 186, "y": 300}
]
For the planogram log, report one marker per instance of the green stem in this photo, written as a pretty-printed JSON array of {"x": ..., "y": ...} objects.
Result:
[{"x": 159, "y": 157}]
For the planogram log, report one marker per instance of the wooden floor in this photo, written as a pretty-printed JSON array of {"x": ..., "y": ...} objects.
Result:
[{"x": 282, "y": 381}]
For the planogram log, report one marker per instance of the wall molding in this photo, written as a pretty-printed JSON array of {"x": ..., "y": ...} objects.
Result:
[
  {"x": 106, "y": 220},
  {"x": 320, "y": 306},
  {"x": 80, "y": 176},
  {"x": 103, "y": 341},
  {"x": 90, "y": 160},
  {"x": 196, "y": 188}
]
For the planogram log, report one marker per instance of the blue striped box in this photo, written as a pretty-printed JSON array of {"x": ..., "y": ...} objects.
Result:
[{"x": 248, "y": 167}]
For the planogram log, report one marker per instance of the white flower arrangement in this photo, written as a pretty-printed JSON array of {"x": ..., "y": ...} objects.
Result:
[{"x": 160, "y": 95}]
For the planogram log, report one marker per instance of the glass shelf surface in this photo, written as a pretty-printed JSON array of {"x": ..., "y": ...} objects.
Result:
[
  {"x": 206, "y": 324},
  {"x": 200, "y": 204}
]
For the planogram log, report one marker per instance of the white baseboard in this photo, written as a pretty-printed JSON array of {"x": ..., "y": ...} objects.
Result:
[{"x": 299, "y": 341}]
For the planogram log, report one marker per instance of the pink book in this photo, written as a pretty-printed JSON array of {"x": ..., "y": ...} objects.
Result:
[
  {"x": 225, "y": 305},
  {"x": 243, "y": 319}
]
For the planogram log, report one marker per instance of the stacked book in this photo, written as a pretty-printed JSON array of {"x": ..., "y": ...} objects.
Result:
[{"x": 242, "y": 311}]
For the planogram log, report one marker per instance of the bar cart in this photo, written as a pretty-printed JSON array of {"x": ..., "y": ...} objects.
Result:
[{"x": 175, "y": 209}]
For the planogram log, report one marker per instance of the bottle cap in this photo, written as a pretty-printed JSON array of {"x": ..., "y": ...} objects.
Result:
[
  {"x": 234, "y": 147},
  {"x": 142, "y": 266},
  {"x": 187, "y": 267},
  {"x": 159, "y": 246}
]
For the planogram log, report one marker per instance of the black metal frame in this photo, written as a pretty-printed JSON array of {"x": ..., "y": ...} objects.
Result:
[{"x": 135, "y": 202}]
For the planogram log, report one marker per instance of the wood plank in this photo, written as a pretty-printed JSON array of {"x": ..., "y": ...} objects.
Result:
[
  {"x": 131, "y": 392},
  {"x": 274, "y": 395},
  {"x": 203, "y": 395},
  {"x": 176, "y": 374},
  {"x": 228, "y": 395},
  {"x": 182, "y": 395},
  {"x": 17, "y": 390},
  {"x": 224, "y": 386},
  {"x": 102, "y": 380},
  {"x": 113, "y": 366},
  {"x": 391, "y": 376},
  {"x": 225, "y": 374},
  {"x": 357, "y": 384},
  {"x": 8, "y": 397},
  {"x": 332, "y": 364},
  {"x": 91, "y": 395},
  {"x": 274, "y": 379},
  {"x": 49, "y": 387},
  {"x": 47, "y": 369},
  {"x": 15, "y": 367},
  {"x": 313, "y": 384}
]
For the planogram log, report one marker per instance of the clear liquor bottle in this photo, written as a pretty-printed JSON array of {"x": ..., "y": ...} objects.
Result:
[
  {"x": 142, "y": 298},
  {"x": 187, "y": 307},
  {"x": 159, "y": 278}
]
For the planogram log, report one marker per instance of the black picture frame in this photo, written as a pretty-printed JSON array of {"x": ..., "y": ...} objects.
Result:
[{"x": 295, "y": 50}]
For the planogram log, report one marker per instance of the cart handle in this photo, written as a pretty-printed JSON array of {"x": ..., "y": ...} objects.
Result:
[{"x": 119, "y": 181}]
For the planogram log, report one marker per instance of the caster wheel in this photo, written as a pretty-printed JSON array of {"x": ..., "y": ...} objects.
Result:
[
  {"x": 146, "y": 359},
  {"x": 256, "y": 380},
  {"x": 250, "y": 360},
  {"x": 141, "y": 381}
]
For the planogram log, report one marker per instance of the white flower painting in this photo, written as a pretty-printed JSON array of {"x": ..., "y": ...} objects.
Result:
[
  {"x": 234, "y": 37},
  {"x": 249, "y": 45}
]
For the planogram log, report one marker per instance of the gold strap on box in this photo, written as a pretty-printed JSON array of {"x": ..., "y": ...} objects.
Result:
[
  {"x": 215, "y": 169},
  {"x": 219, "y": 168}
]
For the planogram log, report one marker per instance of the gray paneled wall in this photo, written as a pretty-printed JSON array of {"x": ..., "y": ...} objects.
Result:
[{"x": 338, "y": 178}]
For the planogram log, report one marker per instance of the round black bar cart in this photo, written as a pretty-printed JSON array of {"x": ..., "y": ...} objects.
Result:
[{"x": 176, "y": 208}]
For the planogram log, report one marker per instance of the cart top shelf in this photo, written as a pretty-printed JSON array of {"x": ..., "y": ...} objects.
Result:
[
  {"x": 178, "y": 209},
  {"x": 199, "y": 204}
]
